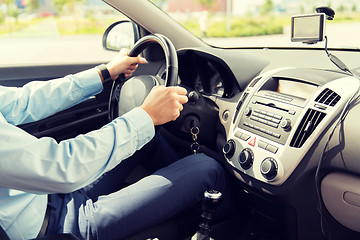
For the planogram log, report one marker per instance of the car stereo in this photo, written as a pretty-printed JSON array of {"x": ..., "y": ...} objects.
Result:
[{"x": 278, "y": 118}]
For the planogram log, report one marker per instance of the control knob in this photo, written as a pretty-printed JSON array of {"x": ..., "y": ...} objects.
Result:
[
  {"x": 268, "y": 168},
  {"x": 229, "y": 148},
  {"x": 285, "y": 124},
  {"x": 246, "y": 158},
  {"x": 247, "y": 112}
]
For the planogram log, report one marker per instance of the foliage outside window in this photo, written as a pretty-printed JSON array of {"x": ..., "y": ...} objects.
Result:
[
  {"x": 251, "y": 18},
  {"x": 71, "y": 16}
]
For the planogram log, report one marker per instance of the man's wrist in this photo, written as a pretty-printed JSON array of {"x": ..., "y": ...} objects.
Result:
[{"x": 104, "y": 73}]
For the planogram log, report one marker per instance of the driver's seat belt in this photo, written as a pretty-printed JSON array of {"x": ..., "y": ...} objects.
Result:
[{"x": 3, "y": 235}]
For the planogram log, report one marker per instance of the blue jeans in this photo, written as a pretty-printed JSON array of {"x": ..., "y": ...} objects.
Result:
[{"x": 105, "y": 210}]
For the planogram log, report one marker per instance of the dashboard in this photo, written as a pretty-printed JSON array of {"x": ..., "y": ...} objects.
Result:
[
  {"x": 269, "y": 124},
  {"x": 206, "y": 74},
  {"x": 270, "y": 120}
]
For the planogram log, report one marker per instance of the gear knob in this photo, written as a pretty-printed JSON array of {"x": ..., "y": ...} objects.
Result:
[{"x": 212, "y": 199}]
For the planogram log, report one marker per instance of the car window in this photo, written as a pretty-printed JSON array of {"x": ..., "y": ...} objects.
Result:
[
  {"x": 262, "y": 23},
  {"x": 54, "y": 31}
]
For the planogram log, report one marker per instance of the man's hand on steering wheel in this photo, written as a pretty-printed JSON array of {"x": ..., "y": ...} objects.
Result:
[
  {"x": 123, "y": 63},
  {"x": 163, "y": 104}
]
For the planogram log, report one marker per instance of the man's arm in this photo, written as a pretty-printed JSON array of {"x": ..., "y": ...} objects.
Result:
[
  {"x": 40, "y": 99},
  {"x": 45, "y": 166}
]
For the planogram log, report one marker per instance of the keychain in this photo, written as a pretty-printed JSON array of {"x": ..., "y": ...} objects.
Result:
[{"x": 195, "y": 145}]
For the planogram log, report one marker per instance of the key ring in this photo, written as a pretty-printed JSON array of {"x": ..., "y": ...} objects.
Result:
[
  {"x": 194, "y": 130},
  {"x": 195, "y": 146}
]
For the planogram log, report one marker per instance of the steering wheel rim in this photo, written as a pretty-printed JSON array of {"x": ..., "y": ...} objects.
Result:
[{"x": 171, "y": 69}]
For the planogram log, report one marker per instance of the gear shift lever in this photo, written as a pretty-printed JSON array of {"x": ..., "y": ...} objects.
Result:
[{"x": 212, "y": 199}]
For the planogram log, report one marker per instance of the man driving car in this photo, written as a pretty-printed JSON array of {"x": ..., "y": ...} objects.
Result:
[{"x": 75, "y": 186}]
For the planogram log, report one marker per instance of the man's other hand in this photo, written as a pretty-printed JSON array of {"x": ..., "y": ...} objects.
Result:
[
  {"x": 122, "y": 63},
  {"x": 164, "y": 104}
]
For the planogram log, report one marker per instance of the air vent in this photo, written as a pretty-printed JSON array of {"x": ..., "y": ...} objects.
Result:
[
  {"x": 242, "y": 100},
  {"x": 307, "y": 126},
  {"x": 254, "y": 82},
  {"x": 328, "y": 97}
]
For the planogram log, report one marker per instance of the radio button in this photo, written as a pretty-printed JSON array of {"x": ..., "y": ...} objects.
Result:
[
  {"x": 275, "y": 120},
  {"x": 254, "y": 118},
  {"x": 262, "y": 144},
  {"x": 262, "y": 130},
  {"x": 277, "y": 135},
  {"x": 238, "y": 134},
  {"x": 271, "y": 124},
  {"x": 292, "y": 112},
  {"x": 271, "y": 148},
  {"x": 263, "y": 112},
  {"x": 277, "y": 116},
  {"x": 263, "y": 121},
  {"x": 269, "y": 132},
  {"x": 270, "y": 114},
  {"x": 268, "y": 118},
  {"x": 244, "y": 137}
]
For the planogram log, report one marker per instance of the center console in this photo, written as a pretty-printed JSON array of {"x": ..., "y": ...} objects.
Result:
[{"x": 278, "y": 118}]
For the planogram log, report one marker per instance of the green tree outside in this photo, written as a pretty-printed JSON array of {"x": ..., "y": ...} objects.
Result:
[
  {"x": 32, "y": 5},
  {"x": 267, "y": 7},
  {"x": 208, "y": 4}
]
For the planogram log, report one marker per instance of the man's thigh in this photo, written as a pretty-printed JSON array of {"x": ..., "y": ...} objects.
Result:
[
  {"x": 155, "y": 198},
  {"x": 154, "y": 155}
]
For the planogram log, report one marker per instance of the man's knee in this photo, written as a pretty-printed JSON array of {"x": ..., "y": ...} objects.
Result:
[
  {"x": 204, "y": 162},
  {"x": 207, "y": 168}
]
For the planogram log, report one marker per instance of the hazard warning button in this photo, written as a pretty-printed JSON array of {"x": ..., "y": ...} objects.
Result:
[{"x": 252, "y": 142}]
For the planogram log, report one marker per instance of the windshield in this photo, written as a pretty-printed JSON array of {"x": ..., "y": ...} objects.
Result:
[
  {"x": 54, "y": 31},
  {"x": 262, "y": 23}
]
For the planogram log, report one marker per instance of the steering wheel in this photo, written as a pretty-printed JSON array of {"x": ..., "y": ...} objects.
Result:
[{"x": 132, "y": 92}]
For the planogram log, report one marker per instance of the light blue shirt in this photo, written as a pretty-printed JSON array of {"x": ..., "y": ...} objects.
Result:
[{"x": 31, "y": 168}]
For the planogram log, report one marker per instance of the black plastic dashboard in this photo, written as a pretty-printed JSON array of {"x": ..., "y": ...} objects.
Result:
[
  {"x": 218, "y": 72},
  {"x": 272, "y": 123}
]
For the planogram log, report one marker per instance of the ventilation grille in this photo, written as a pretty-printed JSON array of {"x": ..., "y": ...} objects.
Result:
[
  {"x": 242, "y": 100},
  {"x": 328, "y": 97},
  {"x": 254, "y": 82},
  {"x": 307, "y": 126}
]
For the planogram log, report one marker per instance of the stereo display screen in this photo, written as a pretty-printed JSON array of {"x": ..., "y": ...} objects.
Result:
[
  {"x": 297, "y": 89},
  {"x": 291, "y": 87}
]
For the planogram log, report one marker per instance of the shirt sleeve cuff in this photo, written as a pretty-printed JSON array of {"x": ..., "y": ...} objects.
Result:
[
  {"x": 143, "y": 123},
  {"x": 89, "y": 81}
]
